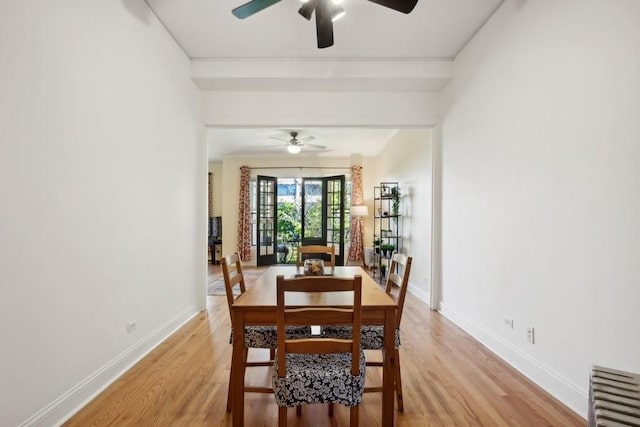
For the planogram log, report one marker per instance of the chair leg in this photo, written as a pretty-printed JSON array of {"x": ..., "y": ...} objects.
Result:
[
  {"x": 272, "y": 354},
  {"x": 398, "y": 383},
  {"x": 229, "y": 391},
  {"x": 282, "y": 416},
  {"x": 354, "y": 416},
  {"x": 245, "y": 357},
  {"x": 231, "y": 377},
  {"x": 331, "y": 409}
]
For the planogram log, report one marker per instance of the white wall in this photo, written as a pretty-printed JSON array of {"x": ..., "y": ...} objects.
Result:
[
  {"x": 302, "y": 109},
  {"x": 540, "y": 189},
  {"x": 407, "y": 159},
  {"x": 101, "y": 188}
]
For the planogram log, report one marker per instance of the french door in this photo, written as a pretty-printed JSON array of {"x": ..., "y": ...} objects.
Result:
[
  {"x": 322, "y": 216},
  {"x": 266, "y": 219}
]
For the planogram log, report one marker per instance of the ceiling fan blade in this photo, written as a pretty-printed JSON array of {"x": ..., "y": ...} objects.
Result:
[
  {"x": 307, "y": 9},
  {"x": 404, "y": 6},
  {"x": 307, "y": 138},
  {"x": 252, "y": 7},
  {"x": 315, "y": 146},
  {"x": 262, "y": 148},
  {"x": 277, "y": 138},
  {"x": 324, "y": 25},
  {"x": 270, "y": 147}
]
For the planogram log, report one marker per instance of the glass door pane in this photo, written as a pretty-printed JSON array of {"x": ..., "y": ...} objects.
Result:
[{"x": 313, "y": 220}]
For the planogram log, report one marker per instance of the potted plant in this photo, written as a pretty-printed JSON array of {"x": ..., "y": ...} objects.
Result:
[
  {"x": 395, "y": 200},
  {"x": 383, "y": 271},
  {"x": 387, "y": 249},
  {"x": 376, "y": 245}
]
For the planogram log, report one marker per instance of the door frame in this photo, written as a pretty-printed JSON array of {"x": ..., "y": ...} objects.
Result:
[{"x": 397, "y": 120}]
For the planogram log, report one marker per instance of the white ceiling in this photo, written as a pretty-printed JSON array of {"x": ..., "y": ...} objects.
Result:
[
  {"x": 275, "y": 50},
  {"x": 339, "y": 142}
]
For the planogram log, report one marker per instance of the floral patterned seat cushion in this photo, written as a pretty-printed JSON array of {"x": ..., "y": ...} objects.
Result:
[
  {"x": 319, "y": 378},
  {"x": 371, "y": 338},
  {"x": 267, "y": 336}
]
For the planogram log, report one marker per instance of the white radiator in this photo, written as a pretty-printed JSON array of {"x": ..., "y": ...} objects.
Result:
[
  {"x": 614, "y": 398},
  {"x": 369, "y": 259}
]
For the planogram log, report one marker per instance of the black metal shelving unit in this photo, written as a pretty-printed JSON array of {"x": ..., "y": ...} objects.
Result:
[{"x": 387, "y": 221}]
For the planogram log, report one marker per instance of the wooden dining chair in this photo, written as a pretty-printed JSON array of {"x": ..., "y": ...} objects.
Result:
[
  {"x": 372, "y": 336},
  {"x": 319, "y": 369},
  {"x": 326, "y": 253},
  {"x": 264, "y": 337}
]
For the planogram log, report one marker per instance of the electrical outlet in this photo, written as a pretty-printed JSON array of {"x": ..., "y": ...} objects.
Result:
[
  {"x": 131, "y": 326},
  {"x": 508, "y": 322},
  {"x": 531, "y": 337}
]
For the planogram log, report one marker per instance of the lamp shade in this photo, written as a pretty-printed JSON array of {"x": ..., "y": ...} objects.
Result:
[{"x": 360, "y": 210}]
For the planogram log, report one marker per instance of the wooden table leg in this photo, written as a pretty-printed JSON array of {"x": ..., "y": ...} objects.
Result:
[
  {"x": 388, "y": 372},
  {"x": 237, "y": 368}
]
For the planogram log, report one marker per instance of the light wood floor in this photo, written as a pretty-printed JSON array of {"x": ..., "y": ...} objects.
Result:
[{"x": 449, "y": 380}]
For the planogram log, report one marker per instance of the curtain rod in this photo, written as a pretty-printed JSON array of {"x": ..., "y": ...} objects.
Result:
[{"x": 301, "y": 167}]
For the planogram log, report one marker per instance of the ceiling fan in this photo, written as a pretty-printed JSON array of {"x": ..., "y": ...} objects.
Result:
[
  {"x": 294, "y": 145},
  {"x": 327, "y": 12}
]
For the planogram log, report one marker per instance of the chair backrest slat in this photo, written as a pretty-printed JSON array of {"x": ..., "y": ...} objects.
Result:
[
  {"x": 350, "y": 315},
  {"x": 321, "y": 251},
  {"x": 307, "y": 316},
  {"x": 311, "y": 284},
  {"x": 402, "y": 263},
  {"x": 325, "y": 346},
  {"x": 232, "y": 275}
]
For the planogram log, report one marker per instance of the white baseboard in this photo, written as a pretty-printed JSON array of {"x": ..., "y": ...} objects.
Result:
[
  {"x": 559, "y": 387},
  {"x": 77, "y": 397},
  {"x": 422, "y": 295}
]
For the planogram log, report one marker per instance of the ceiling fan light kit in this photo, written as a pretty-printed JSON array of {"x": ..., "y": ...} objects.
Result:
[
  {"x": 294, "y": 144},
  {"x": 327, "y": 12},
  {"x": 337, "y": 13}
]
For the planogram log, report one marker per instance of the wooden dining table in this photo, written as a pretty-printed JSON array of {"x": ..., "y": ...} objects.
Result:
[{"x": 257, "y": 306}]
